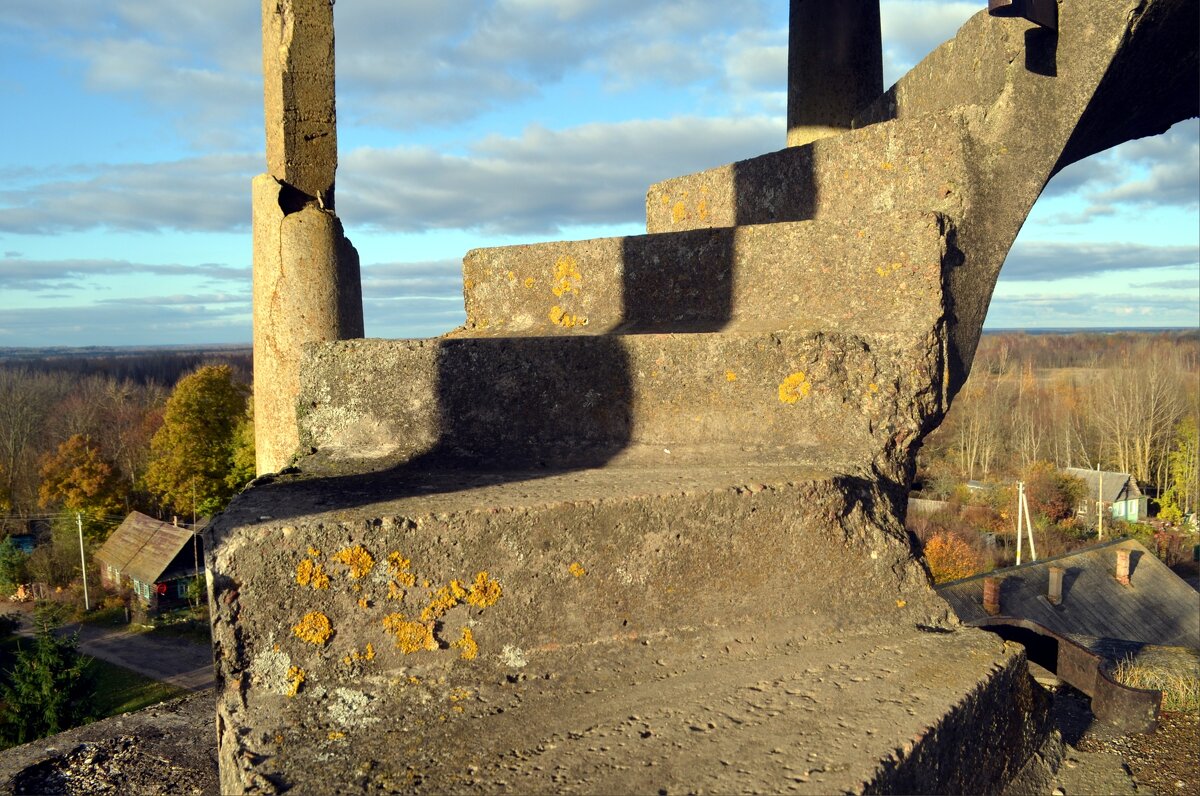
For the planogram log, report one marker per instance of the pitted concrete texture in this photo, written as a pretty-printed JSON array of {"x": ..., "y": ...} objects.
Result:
[
  {"x": 882, "y": 272},
  {"x": 835, "y": 66},
  {"x": 306, "y": 289},
  {"x": 166, "y": 748},
  {"x": 547, "y": 401},
  {"x": 298, "y": 95}
]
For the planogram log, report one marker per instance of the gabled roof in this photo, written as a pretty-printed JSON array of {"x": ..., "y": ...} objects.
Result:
[
  {"x": 1117, "y": 486},
  {"x": 1158, "y": 607},
  {"x": 142, "y": 547}
]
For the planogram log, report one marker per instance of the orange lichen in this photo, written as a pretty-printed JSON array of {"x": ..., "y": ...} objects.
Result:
[
  {"x": 470, "y": 649},
  {"x": 576, "y": 569},
  {"x": 560, "y": 317},
  {"x": 295, "y": 678},
  {"x": 529, "y": 281},
  {"x": 336, "y": 735},
  {"x": 410, "y": 636},
  {"x": 363, "y": 602},
  {"x": 484, "y": 591},
  {"x": 368, "y": 654},
  {"x": 357, "y": 559},
  {"x": 395, "y": 591},
  {"x": 794, "y": 387},
  {"x": 311, "y": 573},
  {"x": 678, "y": 212},
  {"x": 730, "y": 376},
  {"x": 314, "y": 552},
  {"x": 873, "y": 387},
  {"x": 567, "y": 277},
  {"x": 444, "y": 599},
  {"x": 314, "y": 628}
]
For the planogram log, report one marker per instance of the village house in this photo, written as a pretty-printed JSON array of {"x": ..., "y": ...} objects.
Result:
[
  {"x": 156, "y": 560},
  {"x": 1118, "y": 491}
]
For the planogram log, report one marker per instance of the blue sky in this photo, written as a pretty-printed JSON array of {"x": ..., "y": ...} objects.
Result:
[{"x": 133, "y": 129}]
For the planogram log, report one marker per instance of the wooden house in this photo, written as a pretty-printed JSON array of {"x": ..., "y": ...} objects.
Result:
[
  {"x": 1117, "y": 491},
  {"x": 156, "y": 560}
]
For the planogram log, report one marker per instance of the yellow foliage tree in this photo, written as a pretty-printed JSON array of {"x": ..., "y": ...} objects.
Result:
[{"x": 950, "y": 558}]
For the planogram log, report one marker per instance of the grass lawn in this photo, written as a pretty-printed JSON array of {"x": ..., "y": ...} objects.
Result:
[{"x": 119, "y": 690}]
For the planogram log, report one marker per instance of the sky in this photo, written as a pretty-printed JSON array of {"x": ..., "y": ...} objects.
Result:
[{"x": 132, "y": 130}]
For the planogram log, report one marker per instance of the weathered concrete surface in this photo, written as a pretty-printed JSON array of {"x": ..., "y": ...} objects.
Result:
[
  {"x": 990, "y": 116},
  {"x": 298, "y": 95},
  {"x": 695, "y": 602},
  {"x": 760, "y": 397},
  {"x": 835, "y": 66},
  {"x": 881, "y": 273},
  {"x": 306, "y": 289},
  {"x": 167, "y": 748}
]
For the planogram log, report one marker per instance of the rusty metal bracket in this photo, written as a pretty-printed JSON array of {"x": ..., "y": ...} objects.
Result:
[{"x": 1039, "y": 12}]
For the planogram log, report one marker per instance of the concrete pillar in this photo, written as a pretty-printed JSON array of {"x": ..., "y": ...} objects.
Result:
[
  {"x": 1054, "y": 593},
  {"x": 1122, "y": 573},
  {"x": 306, "y": 274},
  {"x": 835, "y": 65},
  {"x": 991, "y": 595}
]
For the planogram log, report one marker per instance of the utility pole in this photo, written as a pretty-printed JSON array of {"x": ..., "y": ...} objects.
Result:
[
  {"x": 87, "y": 604},
  {"x": 1100, "y": 505},
  {"x": 1024, "y": 524}
]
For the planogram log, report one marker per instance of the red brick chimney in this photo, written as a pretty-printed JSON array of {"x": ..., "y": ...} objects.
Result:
[
  {"x": 1056, "y": 580},
  {"x": 1122, "y": 573},
  {"x": 991, "y": 595}
]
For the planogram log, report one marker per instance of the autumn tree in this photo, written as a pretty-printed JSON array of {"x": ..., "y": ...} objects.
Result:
[
  {"x": 80, "y": 479},
  {"x": 1052, "y": 494},
  {"x": 1182, "y": 495},
  {"x": 950, "y": 557},
  {"x": 192, "y": 464}
]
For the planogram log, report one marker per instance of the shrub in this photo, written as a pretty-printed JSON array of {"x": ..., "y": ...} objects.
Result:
[
  {"x": 1180, "y": 689},
  {"x": 950, "y": 557}
]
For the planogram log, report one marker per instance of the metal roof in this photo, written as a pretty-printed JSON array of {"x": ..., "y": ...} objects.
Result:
[
  {"x": 1157, "y": 607},
  {"x": 142, "y": 547},
  {"x": 1117, "y": 486}
]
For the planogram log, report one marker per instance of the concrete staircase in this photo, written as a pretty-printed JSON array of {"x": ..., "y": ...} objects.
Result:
[{"x": 637, "y": 526}]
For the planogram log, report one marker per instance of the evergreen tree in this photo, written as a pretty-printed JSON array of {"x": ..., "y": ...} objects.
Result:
[
  {"x": 47, "y": 690},
  {"x": 12, "y": 566}
]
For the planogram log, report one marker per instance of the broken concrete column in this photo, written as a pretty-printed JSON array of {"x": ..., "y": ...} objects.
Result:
[
  {"x": 306, "y": 273},
  {"x": 991, "y": 595},
  {"x": 835, "y": 66}
]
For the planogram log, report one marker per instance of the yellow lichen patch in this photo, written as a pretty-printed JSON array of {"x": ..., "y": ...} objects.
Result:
[
  {"x": 355, "y": 656},
  {"x": 336, "y": 735},
  {"x": 484, "y": 591},
  {"x": 512, "y": 277},
  {"x": 395, "y": 591},
  {"x": 901, "y": 603},
  {"x": 702, "y": 209},
  {"x": 794, "y": 387},
  {"x": 459, "y": 694},
  {"x": 678, "y": 212},
  {"x": 444, "y": 599},
  {"x": 730, "y": 376},
  {"x": 314, "y": 628},
  {"x": 295, "y": 677},
  {"x": 529, "y": 282},
  {"x": 560, "y": 317},
  {"x": 886, "y": 166},
  {"x": 314, "y": 552},
  {"x": 410, "y": 636},
  {"x": 470, "y": 649},
  {"x": 873, "y": 387},
  {"x": 567, "y": 278},
  {"x": 576, "y": 569},
  {"x": 363, "y": 602},
  {"x": 311, "y": 573},
  {"x": 888, "y": 270},
  {"x": 357, "y": 559}
]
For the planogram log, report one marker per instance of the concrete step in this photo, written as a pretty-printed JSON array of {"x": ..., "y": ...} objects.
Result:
[
  {"x": 568, "y": 400},
  {"x": 879, "y": 272},
  {"x": 915, "y": 164},
  {"x": 633, "y": 628}
]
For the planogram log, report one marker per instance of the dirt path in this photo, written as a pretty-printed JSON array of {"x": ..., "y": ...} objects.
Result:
[
  {"x": 173, "y": 660},
  {"x": 170, "y": 659}
]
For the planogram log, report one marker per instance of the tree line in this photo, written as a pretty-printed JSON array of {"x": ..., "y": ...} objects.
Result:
[
  {"x": 1036, "y": 404},
  {"x": 85, "y": 445}
]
